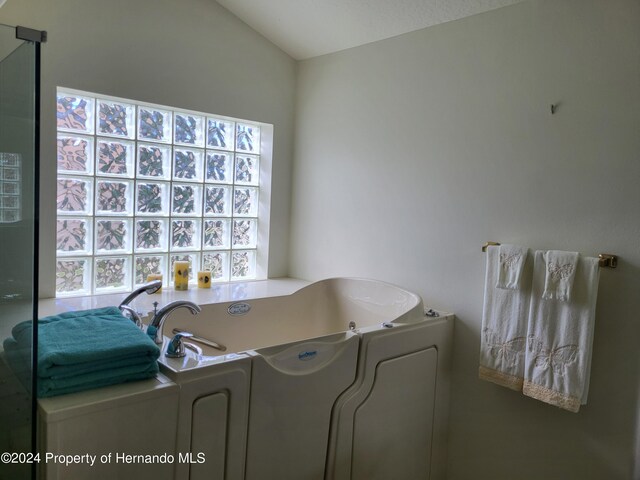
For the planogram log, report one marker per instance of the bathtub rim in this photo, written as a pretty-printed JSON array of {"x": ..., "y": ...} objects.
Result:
[{"x": 218, "y": 294}]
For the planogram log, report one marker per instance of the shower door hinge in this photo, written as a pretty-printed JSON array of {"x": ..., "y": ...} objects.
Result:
[{"x": 31, "y": 35}]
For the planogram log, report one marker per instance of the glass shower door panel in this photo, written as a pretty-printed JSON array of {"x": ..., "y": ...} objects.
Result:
[{"x": 17, "y": 252}]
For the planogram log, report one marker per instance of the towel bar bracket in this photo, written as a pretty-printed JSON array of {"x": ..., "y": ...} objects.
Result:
[
  {"x": 607, "y": 260},
  {"x": 489, "y": 244}
]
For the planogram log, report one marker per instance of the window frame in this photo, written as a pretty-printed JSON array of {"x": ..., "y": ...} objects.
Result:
[{"x": 261, "y": 217}]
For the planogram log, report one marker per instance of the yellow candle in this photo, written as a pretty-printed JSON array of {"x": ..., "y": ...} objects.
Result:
[
  {"x": 181, "y": 275},
  {"x": 204, "y": 279},
  {"x": 155, "y": 276}
]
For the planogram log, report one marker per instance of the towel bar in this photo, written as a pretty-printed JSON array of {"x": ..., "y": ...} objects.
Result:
[{"x": 606, "y": 260}]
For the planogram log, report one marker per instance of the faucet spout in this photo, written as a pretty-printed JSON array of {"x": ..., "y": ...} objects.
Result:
[
  {"x": 151, "y": 287},
  {"x": 157, "y": 322}
]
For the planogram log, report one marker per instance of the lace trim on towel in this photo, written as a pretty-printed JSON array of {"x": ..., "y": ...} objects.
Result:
[
  {"x": 500, "y": 378},
  {"x": 551, "y": 397}
]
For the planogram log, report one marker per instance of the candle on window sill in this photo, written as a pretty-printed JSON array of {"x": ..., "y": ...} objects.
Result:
[
  {"x": 155, "y": 276},
  {"x": 204, "y": 279},
  {"x": 181, "y": 275}
]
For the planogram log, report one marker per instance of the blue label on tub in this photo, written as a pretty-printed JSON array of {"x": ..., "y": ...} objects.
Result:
[
  {"x": 238, "y": 308},
  {"x": 307, "y": 355}
]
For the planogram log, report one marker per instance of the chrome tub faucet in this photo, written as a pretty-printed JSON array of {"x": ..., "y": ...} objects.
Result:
[{"x": 154, "y": 330}]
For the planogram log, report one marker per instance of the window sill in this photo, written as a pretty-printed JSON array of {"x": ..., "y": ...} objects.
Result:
[{"x": 220, "y": 293}]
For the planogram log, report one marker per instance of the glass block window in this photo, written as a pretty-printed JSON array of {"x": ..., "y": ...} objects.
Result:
[
  {"x": 142, "y": 186},
  {"x": 10, "y": 177}
]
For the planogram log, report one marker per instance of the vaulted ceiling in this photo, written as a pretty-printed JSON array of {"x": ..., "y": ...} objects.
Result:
[{"x": 308, "y": 28}]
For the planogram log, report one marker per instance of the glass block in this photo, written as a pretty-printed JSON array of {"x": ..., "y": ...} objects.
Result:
[
  {"x": 246, "y": 169},
  {"x": 245, "y": 233},
  {"x": 186, "y": 199},
  {"x": 192, "y": 258},
  {"x": 73, "y": 236},
  {"x": 220, "y": 133},
  {"x": 188, "y": 164},
  {"x": 151, "y": 235},
  {"x": 10, "y": 216},
  {"x": 144, "y": 265},
  {"x": 10, "y": 159},
  {"x": 112, "y": 274},
  {"x": 10, "y": 174},
  {"x": 217, "y": 201},
  {"x": 154, "y": 124},
  {"x": 152, "y": 198},
  {"x": 75, "y": 154},
  {"x": 188, "y": 130},
  {"x": 248, "y": 138},
  {"x": 216, "y": 233},
  {"x": 74, "y": 113},
  {"x": 74, "y": 196},
  {"x": 10, "y": 188},
  {"x": 73, "y": 276},
  {"x": 114, "y": 197},
  {"x": 154, "y": 161},
  {"x": 185, "y": 234},
  {"x": 115, "y": 158},
  {"x": 218, "y": 168},
  {"x": 218, "y": 264},
  {"x": 116, "y": 119},
  {"x": 10, "y": 201},
  {"x": 245, "y": 202},
  {"x": 113, "y": 235},
  {"x": 243, "y": 265}
]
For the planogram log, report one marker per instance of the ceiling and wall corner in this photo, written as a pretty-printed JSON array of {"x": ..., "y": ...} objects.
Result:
[{"x": 309, "y": 28}]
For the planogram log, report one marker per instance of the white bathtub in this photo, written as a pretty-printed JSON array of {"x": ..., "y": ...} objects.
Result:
[
  {"x": 319, "y": 309},
  {"x": 343, "y": 379}
]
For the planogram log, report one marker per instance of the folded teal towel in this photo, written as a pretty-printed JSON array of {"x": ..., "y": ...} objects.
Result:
[
  {"x": 88, "y": 349},
  {"x": 88, "y": 381},
  {"x": 18, "y": 358}
]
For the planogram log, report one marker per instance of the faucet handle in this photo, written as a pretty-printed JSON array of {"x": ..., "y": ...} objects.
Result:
[{"x": 176, "y": 348}]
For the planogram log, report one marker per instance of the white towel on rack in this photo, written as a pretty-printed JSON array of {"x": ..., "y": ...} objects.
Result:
[
  {"x": 511, "y": 264},
  {"x": 559, "y": 275},
  {"x": 560, "y": 338},
  {"x": 504, "y": 325}
]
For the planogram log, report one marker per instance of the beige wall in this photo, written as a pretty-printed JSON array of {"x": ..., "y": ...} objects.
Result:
[
  {"x": 411, "y": 152},
  {"x": 190, "y": 54}
]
